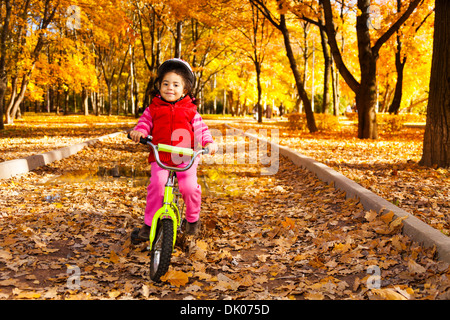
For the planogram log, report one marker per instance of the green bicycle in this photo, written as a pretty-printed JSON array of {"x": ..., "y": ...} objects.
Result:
[{"x": 168, "y": 220}]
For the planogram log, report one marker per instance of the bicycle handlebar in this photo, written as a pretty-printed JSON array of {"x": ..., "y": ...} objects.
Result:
[{"x": 171, "y": 149}]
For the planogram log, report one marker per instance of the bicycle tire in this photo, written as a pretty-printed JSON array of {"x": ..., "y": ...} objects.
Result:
[{"x": 161, "y": 250}]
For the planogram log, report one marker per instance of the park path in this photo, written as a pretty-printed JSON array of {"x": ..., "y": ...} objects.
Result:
[{"x": 286, "y": 235}]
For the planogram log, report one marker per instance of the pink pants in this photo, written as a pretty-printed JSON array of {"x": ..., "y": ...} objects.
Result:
[{"x": 189, "y": 188}]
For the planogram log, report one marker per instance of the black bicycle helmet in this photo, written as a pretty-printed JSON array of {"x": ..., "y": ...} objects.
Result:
[{"x": 180, "y": 67}]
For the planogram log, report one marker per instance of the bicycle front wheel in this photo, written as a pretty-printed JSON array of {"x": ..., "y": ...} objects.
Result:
[{"x": 161, "y": 249}]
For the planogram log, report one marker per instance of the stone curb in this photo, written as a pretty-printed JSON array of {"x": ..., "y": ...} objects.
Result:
[
  {"x": 14, "y": 167},
  {"x": 413, "y": 227}
]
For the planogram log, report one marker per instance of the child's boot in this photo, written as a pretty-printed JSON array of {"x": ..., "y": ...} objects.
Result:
[
  {"x": 140, "y": 235},
  {"x": 193, "y": 228}
]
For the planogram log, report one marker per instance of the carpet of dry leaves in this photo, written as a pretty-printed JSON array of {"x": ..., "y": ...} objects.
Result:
[
  {"x": 387, "y": 166},
  {"x": 282, "y": 236}
]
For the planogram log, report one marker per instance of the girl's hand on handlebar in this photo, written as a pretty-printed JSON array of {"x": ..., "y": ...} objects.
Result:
[
  {"x": 136, "y": 135},
  {"x": 212, "y": 147}
]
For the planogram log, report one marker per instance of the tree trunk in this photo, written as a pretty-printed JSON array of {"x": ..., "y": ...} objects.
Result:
[
  {"x": 3, "y": 86},
  {"x": 335, "y": 85},
  {"x": 16, "y": 100},
  {"x": 311, "y": 123},
  {"x": 327, "y": 70},
  {"x": 366, "y": 96},
  {"x": 66, "y": 102},
  {"x": 365, "y": 90},
  {"x": 8, "y": 119},
  {"x": 281, "y": 25},
  {"x": 399, "y": 66},
  {"x": 109, "y": 86},
  {"x": 365, "y": 104},
  {"x": 85, "y": 97},
  {"x": 178, "y": 39},
  {"x": 3, "y": 75},
  {"x": 436, "y": 144},
  {"x": 258, "y": 83}
]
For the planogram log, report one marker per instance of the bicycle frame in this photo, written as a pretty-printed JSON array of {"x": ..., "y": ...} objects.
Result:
[{"x": 169, "y": 209}]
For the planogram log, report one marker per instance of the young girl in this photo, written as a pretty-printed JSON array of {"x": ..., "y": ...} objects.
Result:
[{"x": 172, "y": 118}]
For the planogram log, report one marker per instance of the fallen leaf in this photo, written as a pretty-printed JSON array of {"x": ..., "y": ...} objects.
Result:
[
  {"x": 5, "y": 255},
  {"x": 314, "y": 296},
  {"x": 8, "y": 282},
  {"x": 262, "y": 257},
  {"x": 396, "y": 223},
  {"x": 192, "y": 288},
  {"x": 202, "y": 275},
  {"x": 145, "y": 290},
  {"x": 415, "y": 268},
  {"x": 114, "y": 294},
  {"x": 114, "y": 258},
  {"x": 25, "y": 294},
  {"x": 370, "y": 215},
  {"x": 176, "y": 278},
  {"x": 246, "y": 281},
  {"x": 52, "y": 293},
  {"x": 388, "y": 294},
  {"x": 387, "y": 218}
]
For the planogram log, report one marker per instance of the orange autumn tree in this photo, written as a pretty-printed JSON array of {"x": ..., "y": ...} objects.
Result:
[
  {"x": 276, "y": 12},
  {"x": 22, "y": 42},
  {"x": 65, "y": 66},
  {"x": 117, "y": 46},
  {"x": 365, "y": 88},
  {"x": 254, "y": 38},
  {"x": 47, "y": 45},
  {"x": 408, "y": 54}
]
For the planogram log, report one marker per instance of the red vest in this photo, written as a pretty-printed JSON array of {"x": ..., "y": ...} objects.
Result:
[{"x": 172, "y": 126}]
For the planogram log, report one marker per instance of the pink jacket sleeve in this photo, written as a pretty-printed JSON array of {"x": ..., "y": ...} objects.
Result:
[
  {"x": 145, "y": 123},
  {"x": 202, "y": 134}
]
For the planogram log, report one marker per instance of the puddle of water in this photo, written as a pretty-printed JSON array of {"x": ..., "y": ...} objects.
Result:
[
  {"x": 127, "y": 174},
  {"x": 213, "y": 182}
]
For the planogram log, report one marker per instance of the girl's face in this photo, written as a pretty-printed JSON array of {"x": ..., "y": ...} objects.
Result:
[{"x": 172, "y": 87}]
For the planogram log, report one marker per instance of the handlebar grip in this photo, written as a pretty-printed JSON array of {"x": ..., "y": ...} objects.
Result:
[
  {"x": 141, "y": 140},
  {"x": 206, "y": 150}
]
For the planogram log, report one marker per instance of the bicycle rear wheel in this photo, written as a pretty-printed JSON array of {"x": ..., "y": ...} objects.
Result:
[{"x": 161, "y": 249}]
